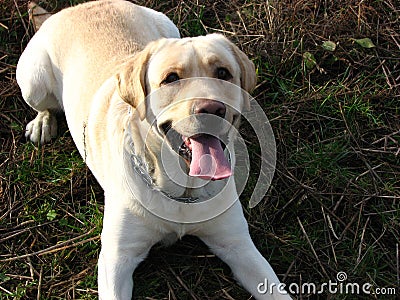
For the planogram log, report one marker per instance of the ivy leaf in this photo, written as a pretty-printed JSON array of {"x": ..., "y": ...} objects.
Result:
[
  {"x": 309, "y": 60},
  {"x": 329, "y": 46},
  {"x": 365, "y": 43}
]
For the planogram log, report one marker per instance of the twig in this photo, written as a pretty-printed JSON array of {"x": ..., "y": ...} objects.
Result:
[
  {"x": 362, "y": 241},
  {"x": 398, "y": 264},
  {"x": 39, "y": 290},
  {"x": 56, "y": 248},
  {"x": 328, "y": 222},
  {"x": 370, "y": 169},
  {"x": 227, "y": 295},
  {"x": 312, "y": 247},
  {"x": 20, "y": 15},
  {"x": 348, "y": 226},
  {"x": 14, "y": 233},
  {"x": 171, "y": 293},
  {"x": 5, "y": 290},
  {"x": 385, "y": 137},
  {"x": 359, "y": 260},
  {"x": 358, "y": 222},
  {"x": 183, "y": 284}
]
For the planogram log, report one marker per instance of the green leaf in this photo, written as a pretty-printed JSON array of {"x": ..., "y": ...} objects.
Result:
[
  {"x": 329, "y": 46},
  {"x": 51, "y": 215},
  {"x": 365, "y": 43},
  {"x": 4, "y": 277},
  {"x": 309, "y": 60}
]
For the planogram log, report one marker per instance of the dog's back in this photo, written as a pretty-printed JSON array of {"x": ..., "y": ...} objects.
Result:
[{"x": 83, "y": 46}]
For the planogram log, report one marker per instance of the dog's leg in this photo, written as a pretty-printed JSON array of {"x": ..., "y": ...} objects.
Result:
[
  {"x": 228, "y": 237},
  {"x": 43, "y": 128},
  {"x": 35, "y": 76},
  {"x": 126, "y": 241}
]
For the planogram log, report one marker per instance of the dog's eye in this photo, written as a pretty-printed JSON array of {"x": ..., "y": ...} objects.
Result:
[
  {"x": 171, "y": 77},
  {"x": 223, "y": 74}
]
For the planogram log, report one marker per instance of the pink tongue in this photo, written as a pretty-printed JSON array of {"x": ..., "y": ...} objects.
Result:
[{"x": 208, "y": 159}]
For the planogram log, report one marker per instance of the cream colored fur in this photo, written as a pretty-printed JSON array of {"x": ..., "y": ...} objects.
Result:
[{"x": 97, "y": 62}]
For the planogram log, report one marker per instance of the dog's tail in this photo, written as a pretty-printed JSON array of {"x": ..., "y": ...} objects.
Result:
[{"x": 37, "y": 15}]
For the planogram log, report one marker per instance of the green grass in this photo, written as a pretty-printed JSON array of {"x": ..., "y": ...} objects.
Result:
[{"x": 334, "y": 202}]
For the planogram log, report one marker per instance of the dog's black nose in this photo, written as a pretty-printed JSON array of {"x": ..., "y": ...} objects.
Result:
[{"x": 211, "y": 107}]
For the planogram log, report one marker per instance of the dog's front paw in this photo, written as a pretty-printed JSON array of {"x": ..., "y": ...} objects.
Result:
[{"x": 43, "y": 128}]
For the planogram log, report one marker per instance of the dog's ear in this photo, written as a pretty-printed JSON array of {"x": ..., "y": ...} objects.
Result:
[
  {"x": 131, "y": 80},
  {"x": 248, "y": 78}
]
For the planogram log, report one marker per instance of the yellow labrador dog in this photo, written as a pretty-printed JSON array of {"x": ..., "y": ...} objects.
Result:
[{"x": 119, "y": 72}]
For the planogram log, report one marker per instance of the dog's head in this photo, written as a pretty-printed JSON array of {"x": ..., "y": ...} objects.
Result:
[{"x": 185, "y": 88}]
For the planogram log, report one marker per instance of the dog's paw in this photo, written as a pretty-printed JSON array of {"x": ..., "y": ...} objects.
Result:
[{"x": 42, "y": 129}]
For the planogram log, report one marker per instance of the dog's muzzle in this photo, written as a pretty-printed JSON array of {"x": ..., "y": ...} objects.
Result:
[{"x": 199, "y": 139}]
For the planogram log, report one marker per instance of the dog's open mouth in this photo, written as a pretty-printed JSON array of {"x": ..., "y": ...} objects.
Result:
[
  {"x": 203, "y": 152},
  {"x": 205, "y": 156}
]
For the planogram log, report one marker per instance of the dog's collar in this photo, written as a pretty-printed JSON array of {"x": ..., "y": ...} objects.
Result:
[{"x": 142, "y": 170}]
